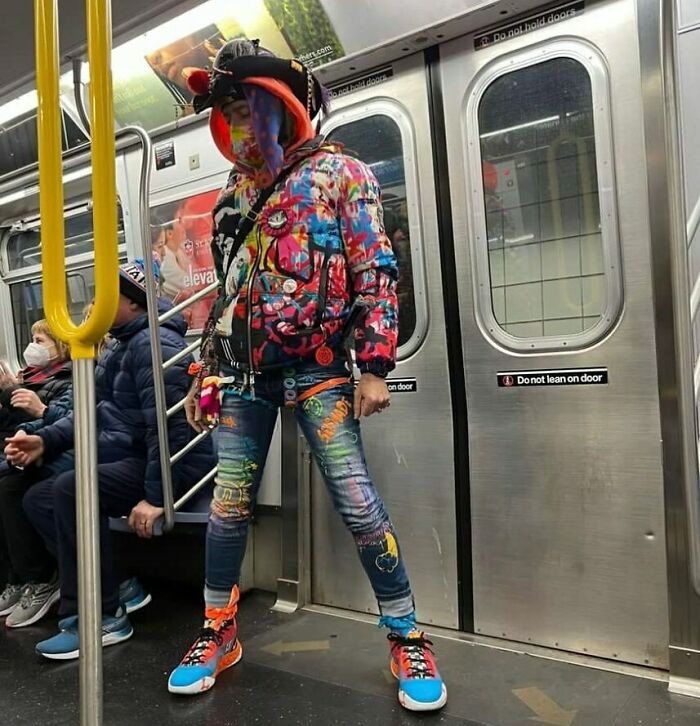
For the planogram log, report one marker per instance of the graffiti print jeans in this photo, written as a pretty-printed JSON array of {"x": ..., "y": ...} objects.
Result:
[{"x": 327, "y": 421}]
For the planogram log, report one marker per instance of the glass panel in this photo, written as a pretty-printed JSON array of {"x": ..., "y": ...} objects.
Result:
[
  {"x": 28, "y": 303},
  {"x": 181, "y": 238},
  {"x": 541, "y": 200},
  {"x": 18, "y": 140},
  {"x": 377, "y": 141},
  {"x": 24, "y": 246}
]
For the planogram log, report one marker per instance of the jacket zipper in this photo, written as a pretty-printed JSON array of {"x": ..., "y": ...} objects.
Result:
[
  {"x": 251, "y": 281},
  {"x": 323, "y": 287}
]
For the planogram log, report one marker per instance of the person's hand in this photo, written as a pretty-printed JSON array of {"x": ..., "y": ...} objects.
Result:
[
  {"x": 23, "y": 449},
  {"x": 192, "y": 410},
  {"x": 371, "y": 395},
  {"x": 28, "y": 401},
  {"x": 143, "y": 517},
  {"x": 7, "y": 380}
]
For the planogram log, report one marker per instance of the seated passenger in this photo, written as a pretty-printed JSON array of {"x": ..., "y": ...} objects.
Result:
[
  {"x": 41, "y": 394},
  {"x": 129, "y": 472},
  {"x": 24, "y": 397}
]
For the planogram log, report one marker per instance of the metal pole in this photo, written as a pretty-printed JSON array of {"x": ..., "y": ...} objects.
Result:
[
  {"x": 154, "y": 327},
  {"x": 87, "y": 510}
]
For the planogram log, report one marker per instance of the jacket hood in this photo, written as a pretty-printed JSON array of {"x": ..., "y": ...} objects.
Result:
[{"x": 303, "y": 129}]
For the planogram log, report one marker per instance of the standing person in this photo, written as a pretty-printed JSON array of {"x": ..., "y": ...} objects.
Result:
[
  {"x": 303, "y": 263},
  {"x": 129, "y": 472},
  {"x": 41, "y": 394}
]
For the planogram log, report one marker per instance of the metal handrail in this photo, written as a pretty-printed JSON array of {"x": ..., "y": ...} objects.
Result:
[
  {"x": 154, "y": 328},
  {"x": 191, "y": 348},
  {"x": 177, "y": 407},
  {"x": 199, "y": 485},
  {"x": 188, "y": 447},
  {"x": 190, "y": 300}
]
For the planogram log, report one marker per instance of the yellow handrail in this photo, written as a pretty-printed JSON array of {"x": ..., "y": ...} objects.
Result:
[{"x": 82, "y": 338}]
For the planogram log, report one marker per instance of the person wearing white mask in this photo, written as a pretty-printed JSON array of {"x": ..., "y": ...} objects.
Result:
[{"x": 39, "y": 394}]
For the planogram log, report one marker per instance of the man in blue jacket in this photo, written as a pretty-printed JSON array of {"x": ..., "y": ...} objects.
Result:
[{"x": 129, "y": 470}]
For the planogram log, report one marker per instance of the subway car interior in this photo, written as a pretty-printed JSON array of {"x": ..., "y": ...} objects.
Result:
[{"x": 539, "y": 166}]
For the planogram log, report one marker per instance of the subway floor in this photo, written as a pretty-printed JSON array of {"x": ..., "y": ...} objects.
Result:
[{"x": 317, "y": 668}]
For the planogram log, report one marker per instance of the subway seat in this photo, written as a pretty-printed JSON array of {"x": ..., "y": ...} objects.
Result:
[{"x": 194, "y": 511}]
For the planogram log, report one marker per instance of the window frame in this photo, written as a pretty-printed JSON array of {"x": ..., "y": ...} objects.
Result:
[
  {"x": 594, "y": 64},
  {"x": 19, "y": 275},
  {"x": 9, "y": 275},
  {"x": 73, "y": 265},
  {"x": 397, "y": 113}
]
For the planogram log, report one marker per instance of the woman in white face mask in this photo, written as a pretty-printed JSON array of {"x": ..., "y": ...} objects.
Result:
[
  {"x": 48, "y": 373},
  {"x": 39, "y": 394}
]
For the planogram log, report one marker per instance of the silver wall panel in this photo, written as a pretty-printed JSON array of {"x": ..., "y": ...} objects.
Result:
[
  {"x": 688, "y": 64},
  {"x": 409, "y": 448},
  {"x": 688, "y": 13},
  {"x": 566, "y": 483}
]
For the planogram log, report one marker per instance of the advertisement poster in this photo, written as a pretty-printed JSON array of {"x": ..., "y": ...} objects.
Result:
[
  {"x": 181, "y": 239},
  {"x": 150, "y": 72}
]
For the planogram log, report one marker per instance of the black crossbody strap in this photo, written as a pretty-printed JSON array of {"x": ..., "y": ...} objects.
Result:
[{"x": 251, "y": 217}]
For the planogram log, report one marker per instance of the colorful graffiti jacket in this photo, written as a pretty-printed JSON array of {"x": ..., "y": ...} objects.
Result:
[{"x": 317, "y": 252}]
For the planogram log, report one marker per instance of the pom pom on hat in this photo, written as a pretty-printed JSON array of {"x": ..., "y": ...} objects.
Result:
[{"x": 198, "y": 82}]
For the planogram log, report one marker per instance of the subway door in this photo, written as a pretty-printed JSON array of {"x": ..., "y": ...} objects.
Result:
[
  {"x": 409, "y": 447},
  {"x": 552, "y": 246}
]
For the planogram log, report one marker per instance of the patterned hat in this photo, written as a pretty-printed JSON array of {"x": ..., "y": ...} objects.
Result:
[
  {"x": 132, "y": 281},
  {"x": 244, "y": 61}
]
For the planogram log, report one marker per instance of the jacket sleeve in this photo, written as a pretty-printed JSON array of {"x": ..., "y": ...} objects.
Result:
[
  {"x": 60, "y": 406},
  {"x": 141, "y": 368},
  {"x": 58, "y": 437},
  {"x": 372, "y": 265}
]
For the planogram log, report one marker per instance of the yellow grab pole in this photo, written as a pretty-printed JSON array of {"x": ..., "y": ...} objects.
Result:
[{"x": 81, "y": 339}]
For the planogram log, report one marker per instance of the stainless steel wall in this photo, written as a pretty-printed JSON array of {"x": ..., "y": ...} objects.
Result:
[
  {"x": 409, "y": 448},
  {"x": 566, "y": 483}
]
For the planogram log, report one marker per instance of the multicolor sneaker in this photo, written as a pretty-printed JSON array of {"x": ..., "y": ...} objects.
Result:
[
  {"x": 132, "y": 595},
  {"x": 215, "y": 649},
  {"x": 65, "y": 645},
  {"x": 9, "y": 599},
  {"x": 37, "y": 599},
  {"x": 412, "y": 661}
]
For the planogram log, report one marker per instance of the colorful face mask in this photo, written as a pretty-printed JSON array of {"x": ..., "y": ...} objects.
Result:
[{"x": 245, "y": 146}]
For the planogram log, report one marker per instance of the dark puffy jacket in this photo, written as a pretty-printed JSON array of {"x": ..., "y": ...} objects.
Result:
[
  {"x": 56, "y": 392},
  {"x": 126, "y": 409}
]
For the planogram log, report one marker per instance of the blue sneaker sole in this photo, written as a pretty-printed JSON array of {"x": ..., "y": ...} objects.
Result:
[
  {"x": 204, "y": 684},
  {"x": 410, "y": 705},
  {"x": 136, "y": 604},
  {"x": 107, "y": 639}
]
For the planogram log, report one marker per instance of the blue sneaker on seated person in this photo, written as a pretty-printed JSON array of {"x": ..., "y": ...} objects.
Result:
[
  {"x": 132, "y": 595},
  {"x": 65, "y": 645}
]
